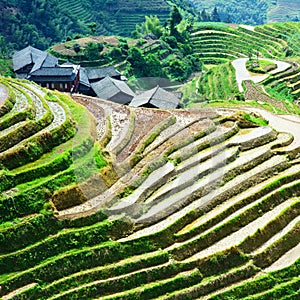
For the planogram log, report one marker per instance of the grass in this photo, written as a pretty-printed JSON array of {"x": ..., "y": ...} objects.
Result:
[
  {"x": 260, "y": 66},
  {"x": 256, "y": 120},
  {"x": 6, "y": 67}
]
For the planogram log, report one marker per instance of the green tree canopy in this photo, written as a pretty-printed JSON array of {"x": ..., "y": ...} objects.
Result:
[{"x": 151, "y": 25}]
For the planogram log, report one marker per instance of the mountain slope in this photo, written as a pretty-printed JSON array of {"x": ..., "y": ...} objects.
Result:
[
  {"x": 252, "y": 12},
  {"x": 40, "y": 22},
  {"x": 134, "y": 203}
]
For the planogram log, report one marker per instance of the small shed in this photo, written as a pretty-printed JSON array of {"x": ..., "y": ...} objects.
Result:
[
  {"x": 114, "y": 90},
  {"x": 156, "y": 98}
]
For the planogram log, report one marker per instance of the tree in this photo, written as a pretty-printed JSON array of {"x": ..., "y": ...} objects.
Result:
[
  {"x": 76, "y": 48},
  {"x": 215, "y": 15},
  {"x": 137, "y": 62},
  {"x": 175, "y": 19},
  {"x": 151, "y": 25},
  {"x": 92, "y": 50},
  {"x": 177, "y": 70},
  {"x": 3, "y": 47},
  {"x": 153, "y": 66},
  {"x": 204, "y": 16},
  {"x": 92, "y": 26}
]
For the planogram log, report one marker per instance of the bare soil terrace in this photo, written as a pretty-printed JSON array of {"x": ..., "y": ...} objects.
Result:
[{"x": 3, "y": 93}]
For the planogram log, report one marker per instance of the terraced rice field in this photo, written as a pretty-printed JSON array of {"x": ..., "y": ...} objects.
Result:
[
  {"x": 103, "y": 201},
  {"x": 219, "y": 42},
  {"x": 284, "y": 10},
  {"x": 221, "y": 45},
  {"x": 118, "y": 17}
]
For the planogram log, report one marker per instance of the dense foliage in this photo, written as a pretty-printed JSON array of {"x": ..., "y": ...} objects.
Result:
[
  {"x": 241, "y": 12},
  {"x": 173, "y": 57},
  {"x": 41, "y": 23}
]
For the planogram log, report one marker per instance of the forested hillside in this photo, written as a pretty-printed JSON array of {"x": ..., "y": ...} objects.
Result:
[
  {"x": 252, "y": 12},
  {"x": 42, "y": 23}
]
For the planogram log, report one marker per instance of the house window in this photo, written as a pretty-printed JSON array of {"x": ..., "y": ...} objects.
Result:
[
  {"x": 52, "y": 85},
  {"x": 61, "y": 86},
  {"x": 66, "y": 85},
  {"x": 47, "y": 85}
]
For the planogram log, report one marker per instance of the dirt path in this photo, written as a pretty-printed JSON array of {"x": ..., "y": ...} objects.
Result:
[
  {"x": 3, "y": 93},
  {"x": 281, "y": 123},
  {"x": 243, "y": 74}
]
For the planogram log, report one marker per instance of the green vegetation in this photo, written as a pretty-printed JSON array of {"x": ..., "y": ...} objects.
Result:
[
  {"x": 42, "y": 23},
  {"x": 57, "y": 243},
  {"x": 115, "y": 202},
  {"x": 260, "y": 66},
  {"x": 256, "y": 120},
  {"x": 252, "y": 12}
]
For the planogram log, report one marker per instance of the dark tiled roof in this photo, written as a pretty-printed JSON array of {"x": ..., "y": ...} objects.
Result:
[
  {"x": 58, "y": 74},
  {"x": 157, "y": 97},
  {"x": 109, "y": 87},
  {"x": 100, "y": 73},
  {"x": 30, "y": 55},
  {"x": 83, "y": 77}
]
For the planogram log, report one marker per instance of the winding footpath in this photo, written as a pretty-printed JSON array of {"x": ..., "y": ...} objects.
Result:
[{"x": 243, "y": 74}]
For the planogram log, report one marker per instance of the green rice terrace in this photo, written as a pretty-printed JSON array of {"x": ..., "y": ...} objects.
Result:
[
  {"x": 104, "y": 201},
  {"x": 113, "y": 202},
  {"x": 225, "y": 51}
]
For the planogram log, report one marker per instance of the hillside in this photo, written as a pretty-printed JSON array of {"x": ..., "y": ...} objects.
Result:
[
  {"x": 252, "y": 12},
  {"x": 41, "y": 23},
  {"x": 219, "y": 46},
  {"x": 198, "y": 203}
]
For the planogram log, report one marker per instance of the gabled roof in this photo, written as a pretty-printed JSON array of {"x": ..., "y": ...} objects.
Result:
[
  {"x": 156, "y": 97},
  {"x": 30, "y": 55},
  {"x": 109, "y": 87},
  {"x": 56, "y": 74},
  {"x": 100, "y": 73},
  {"x": 83, "y": 78}
]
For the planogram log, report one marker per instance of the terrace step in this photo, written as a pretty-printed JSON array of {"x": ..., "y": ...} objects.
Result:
[
  {"x": 40, "y": 109},
  {"x": 262, "y": 281},
  {"x": 211, "y": 284},
  {"x": 231, "y": 188},
  {"x": 182, "y": 280},
  {"x": 183, "y": 120},
  {"x": 190, "y": 175},
  {"x": 119, "y": 283},
  {"x": 145, "y": 121},
  {"x": 187, "y": 153},
  {"x": 277, "y": 236},
  {"x": 119, "y": 115},
  {"x": 21, "y": 102},
  {"x": 19, "y": 291},
  {"x": 202, "y": 187},
  {"x": 286, "y": 290},
  {"x": 130, "y": 265},
  {"x": 286, "y": 260},
  {"x": 233, "y": 239},
  {"x": 234, "y": 203},
  {"x": 283, "y": 244},
  {"x": 153, "y": 181},
  {"x": 62, "y": 241}
]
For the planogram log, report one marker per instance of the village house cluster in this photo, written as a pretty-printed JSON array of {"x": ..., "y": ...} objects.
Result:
[{"x": 105, "y": 82}]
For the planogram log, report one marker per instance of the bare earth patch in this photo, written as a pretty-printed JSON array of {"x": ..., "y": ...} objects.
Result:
[{"x": 3, "y": 93}]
